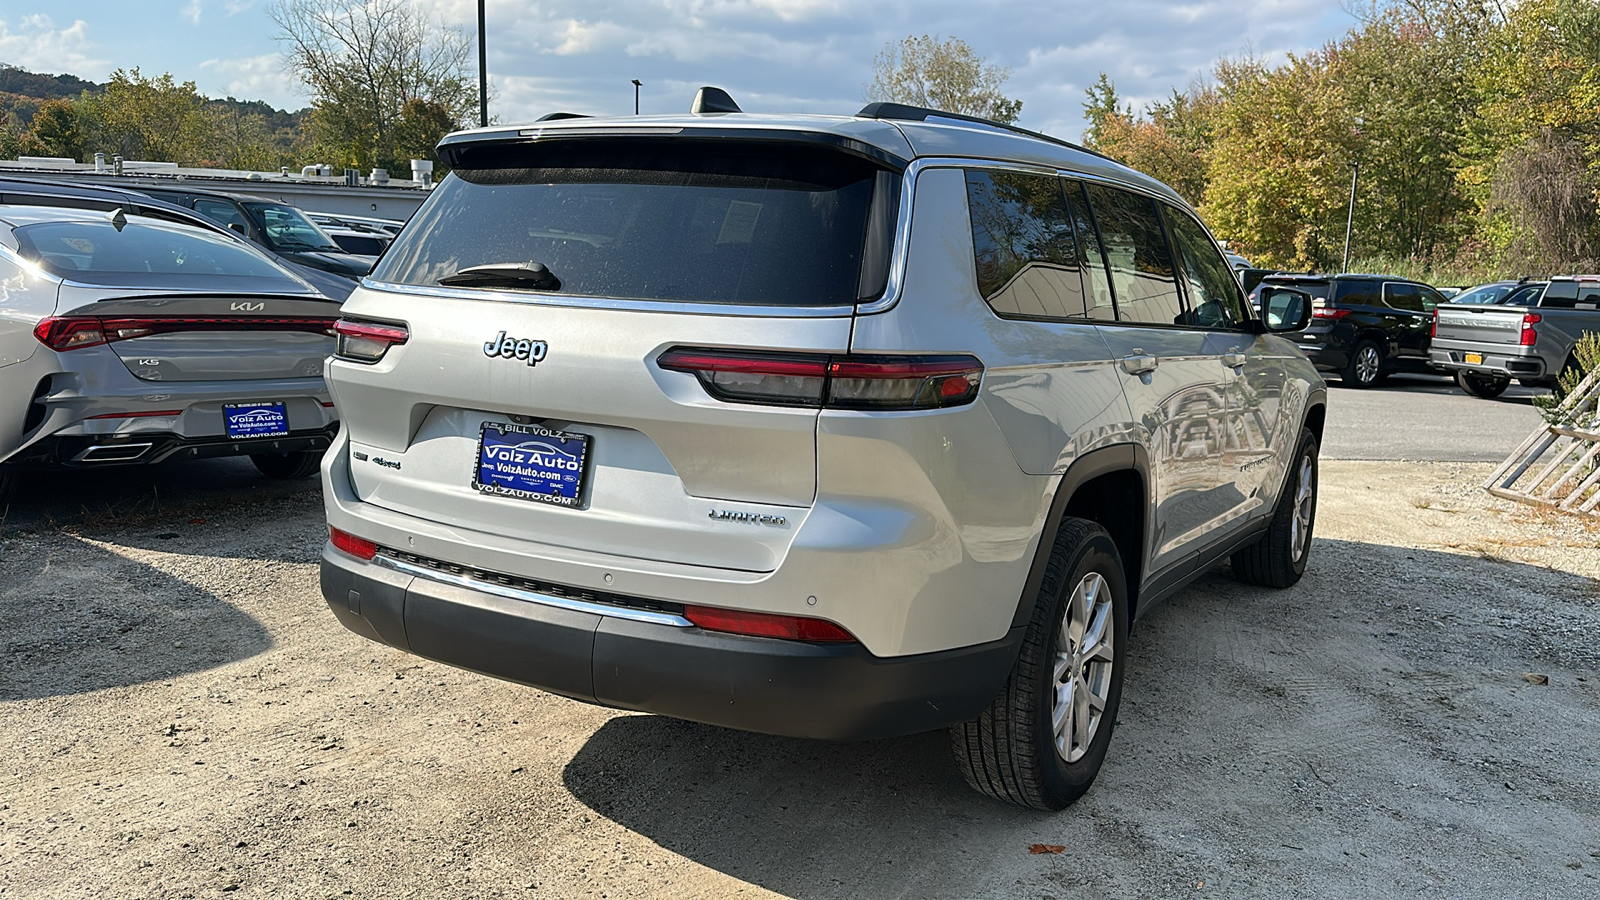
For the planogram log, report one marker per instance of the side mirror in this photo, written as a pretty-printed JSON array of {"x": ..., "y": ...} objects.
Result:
[
  {"x": 1285, "y": 309},
  {"x": 239, "y": 227}
]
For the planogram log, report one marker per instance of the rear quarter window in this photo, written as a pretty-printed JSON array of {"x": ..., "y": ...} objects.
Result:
[
  {"x": 1025, "y": 251},
  {"x": 680, "y": 221}
]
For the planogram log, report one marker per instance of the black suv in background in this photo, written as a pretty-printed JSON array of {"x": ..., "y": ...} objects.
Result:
[
  {"x": 1364, "y": 327},
  {"x": 279, "y": 227}
]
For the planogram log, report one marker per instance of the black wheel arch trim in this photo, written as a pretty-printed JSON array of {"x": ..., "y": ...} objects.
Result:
[{"x": 1089, "y": 466}]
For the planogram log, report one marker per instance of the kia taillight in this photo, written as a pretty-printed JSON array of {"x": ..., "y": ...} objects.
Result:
[
  {"x": 753, "y": 624},
  {"x": 346, "y": 542},
  {"x": 836, "y": 382},
  {"x": 76, "y": 332},
  {"x": 367, "y": 342},
  {"x": 1529, "y": 336}
]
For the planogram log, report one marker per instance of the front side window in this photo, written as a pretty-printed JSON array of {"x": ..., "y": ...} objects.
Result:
[
  {"x": 142, "y": 253},
  {"x": 1214, "y": 298},
  {"x": 653, "y": 220},
  {"x": 1026, "y": 253},
  {"x": 288, "y": 229},
  {"x": 226, "y": 213},
  {"x": 1398, "y": 295},
  {"x": 1137, "y": 257}
]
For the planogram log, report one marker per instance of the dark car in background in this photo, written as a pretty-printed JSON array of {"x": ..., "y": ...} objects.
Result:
[
  {"x": 279, "y": 227},
  {"x": 1364, "y": 327},
  {"x": 1522, "y": 292}
]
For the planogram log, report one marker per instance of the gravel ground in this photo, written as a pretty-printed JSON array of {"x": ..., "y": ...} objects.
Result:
[{"x": 180, "y": 716}]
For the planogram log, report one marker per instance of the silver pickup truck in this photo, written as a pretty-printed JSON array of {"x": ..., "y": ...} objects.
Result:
[{"x": 1487, "y": 346}]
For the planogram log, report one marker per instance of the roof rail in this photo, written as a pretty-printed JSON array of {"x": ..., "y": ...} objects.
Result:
[{"x": 906, "y": 112}]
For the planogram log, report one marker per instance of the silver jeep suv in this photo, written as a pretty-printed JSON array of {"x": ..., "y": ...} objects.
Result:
[{"x": 827, "y": 426}]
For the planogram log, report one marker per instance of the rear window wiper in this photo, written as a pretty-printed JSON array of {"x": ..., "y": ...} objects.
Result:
[{"x": 531, "y": 275}]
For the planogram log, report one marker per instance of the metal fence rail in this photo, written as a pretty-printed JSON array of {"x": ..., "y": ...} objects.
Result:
[{"x": 1563, "y": 457}]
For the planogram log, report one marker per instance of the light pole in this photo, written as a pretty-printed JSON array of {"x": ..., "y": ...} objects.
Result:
[
  {"x": 483, "y": 74},
  {"x": 1350, "y": 217},
  {"x": 636, "y": 86}
]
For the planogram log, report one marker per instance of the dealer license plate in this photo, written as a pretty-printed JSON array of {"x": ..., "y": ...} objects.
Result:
[
  {"x": 1475, "y": 359},
  {"x": 531, "y": 463},
  {"x": 255, "y": 420}
]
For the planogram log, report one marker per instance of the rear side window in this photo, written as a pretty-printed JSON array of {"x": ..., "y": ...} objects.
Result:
[
  {"x": 1357, "y": 292},
  {"x": 662, "y": 220},
  {"x": 1214, "y": 298},
  {"x": 1137, "y": 257},
  {"x": 1027, "y": 256}
]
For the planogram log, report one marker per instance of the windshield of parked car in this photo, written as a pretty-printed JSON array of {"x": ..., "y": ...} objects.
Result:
[
  {"x": 287, "y": 228},
  {"x": 1487, "y": 294},
  {"x": 145, "y": 253},
  {"x": 641, "y": 220}
]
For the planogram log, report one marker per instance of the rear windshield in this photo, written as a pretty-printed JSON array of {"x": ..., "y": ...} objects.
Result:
[
  {"x": 145, "y": 254},
  {"x": 1317, "y": 289},
  {"x": 668, "y": 220},
  {"x": 1489, "y": 293}
]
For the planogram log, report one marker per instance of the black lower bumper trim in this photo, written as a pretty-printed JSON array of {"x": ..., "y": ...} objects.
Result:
[
  {"x": 791, "y": 688},
  {"x": 62, "y": 451}
]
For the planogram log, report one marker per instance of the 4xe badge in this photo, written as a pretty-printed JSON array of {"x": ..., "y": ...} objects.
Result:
[{"x": 516, "y": 348}]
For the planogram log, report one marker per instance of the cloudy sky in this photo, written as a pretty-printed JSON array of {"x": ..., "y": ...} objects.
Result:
[{"x": 772, "y": 55}]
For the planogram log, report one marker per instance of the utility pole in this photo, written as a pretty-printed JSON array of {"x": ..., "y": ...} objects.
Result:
[
  {"x": 636, "y": 86},
  {"x": 483, "y": 74},
  {"x": 1350, "y": 217}
]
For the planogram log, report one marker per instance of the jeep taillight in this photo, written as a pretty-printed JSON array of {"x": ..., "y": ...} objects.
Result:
[
  {"x": 367, "y": 342},
  {"x": 835, "y": 382},
  {"x": 1529, "y": 336}
]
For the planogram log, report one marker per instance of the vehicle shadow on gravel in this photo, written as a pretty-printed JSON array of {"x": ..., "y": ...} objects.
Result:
[
  {"x": 1241, "y": 712},
  {"x": 76, "y": 618}
]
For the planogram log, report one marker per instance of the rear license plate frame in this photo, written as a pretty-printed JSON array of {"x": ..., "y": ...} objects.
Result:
[
  {"x": 266, "y": 419},
  {"x": 562, "y": 482},
  {"x": 1472, "y": 359}
]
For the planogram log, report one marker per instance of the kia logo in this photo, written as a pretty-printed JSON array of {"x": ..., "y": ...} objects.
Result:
[{"x": 247, "y": 307}]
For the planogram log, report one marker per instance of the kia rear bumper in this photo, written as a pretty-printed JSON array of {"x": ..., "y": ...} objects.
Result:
[
  {"x": 148, "y": 447},
  {"x": 642, "y": 655}
]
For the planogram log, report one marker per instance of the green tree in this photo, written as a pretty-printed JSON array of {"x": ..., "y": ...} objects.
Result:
[
  {"x": 364, "y": 61},
  {"x": 147, "y": 118},
  {"x": 58, "y": 128},
  {"x": 947, "y": 75}
]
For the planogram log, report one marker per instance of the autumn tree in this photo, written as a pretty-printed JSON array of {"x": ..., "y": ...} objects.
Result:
[
  {"x": 156, "y": 119},
  {"x": 364, "y": 61},
  {"x": 1170, "y": 141},
  {"x": 58, "y": 128},
  {"x": 947, "y": 75}
]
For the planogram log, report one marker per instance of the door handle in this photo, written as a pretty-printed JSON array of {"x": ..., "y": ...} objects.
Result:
[
  {"x": 1233, "y": 360},
  {"x": 1139, "y": 362}
]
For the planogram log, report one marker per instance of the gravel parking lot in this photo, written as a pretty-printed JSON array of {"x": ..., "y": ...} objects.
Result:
[{"x": 183, "y": 718}]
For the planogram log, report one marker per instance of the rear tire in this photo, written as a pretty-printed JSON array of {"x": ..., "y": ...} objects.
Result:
[
  {"x": 285, "y": 466},
  {"x": 1279, "y": 558},
  {"x": 1365, "y": 368},
  {"x": 1069, "y": 671},
  {"x": 1482, "y": 386}
]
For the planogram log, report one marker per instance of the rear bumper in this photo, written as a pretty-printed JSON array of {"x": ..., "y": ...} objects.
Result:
[
  {"x": 654, "y": 661},
  {"x": 1495, "y": 365},
  {"x": 95, "y": 451}
]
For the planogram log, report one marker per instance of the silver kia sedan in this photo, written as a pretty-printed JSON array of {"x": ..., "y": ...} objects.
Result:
[{"x": 129, "y": 340}]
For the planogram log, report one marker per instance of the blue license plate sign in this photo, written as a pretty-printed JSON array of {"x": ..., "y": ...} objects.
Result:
[
  {"x": 255, "y": 420},
  {"x": 531, "y": 463}
]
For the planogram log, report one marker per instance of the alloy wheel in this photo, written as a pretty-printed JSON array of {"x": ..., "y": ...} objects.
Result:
[
  {"x": 1368, "y": 363},
  {"x": 1082, "y": 678},
  {"x": 1305, "y": 499}
]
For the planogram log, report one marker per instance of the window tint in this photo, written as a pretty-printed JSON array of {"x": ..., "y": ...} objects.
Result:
[
  {"x": 1402, "y": 296},
  {"x": 226, "y": 213},
  {"x": 1137, "y": 256},
  {"x": 653, "y": 220},
  {"x": 1214, "y": 298},
  {"x": 1357, "y": 292},
  {"x": 98, "y": 253},
  {"x": 1027, "y": 259}
]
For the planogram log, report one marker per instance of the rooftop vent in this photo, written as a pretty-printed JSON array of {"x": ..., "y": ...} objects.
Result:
[{"x": 710, "y": 100}]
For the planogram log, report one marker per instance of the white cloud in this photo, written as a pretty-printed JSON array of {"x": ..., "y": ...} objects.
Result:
[
  {"x": 192, "y": 11},
  {"x": 253, "y": 78},
  {"x": 34, "y": 42},
  {"x": 234, "y": 7}
]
